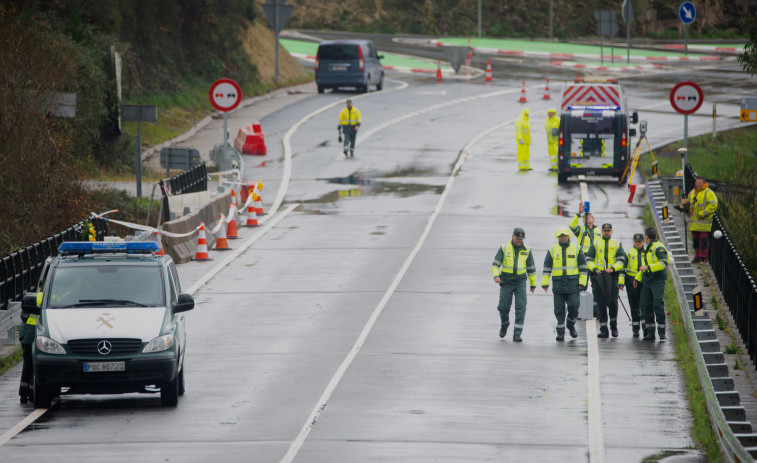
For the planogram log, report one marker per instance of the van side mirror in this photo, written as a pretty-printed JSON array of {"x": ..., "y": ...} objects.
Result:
[
  {"x": 634, "y": 117},
  {"x": 29, "y": 304},
  {"x": 631, "y": 132},
  {"x": 185, "y": 302}
]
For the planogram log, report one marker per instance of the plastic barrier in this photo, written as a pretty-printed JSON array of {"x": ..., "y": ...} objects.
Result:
[{"x": 250, "y": 140}]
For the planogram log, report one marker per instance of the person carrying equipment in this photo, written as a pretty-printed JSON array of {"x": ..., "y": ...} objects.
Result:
[
  {"x": 349, "y": 123},
  {"x": 606, "y": 259}
]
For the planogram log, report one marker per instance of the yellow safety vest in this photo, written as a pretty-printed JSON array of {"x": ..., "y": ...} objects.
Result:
[
  {"x": 634, "y": 260},
  {"x": 702, "y": 207},
  {"x": 605, "y": 261},
  {"x": 651, "y": 260},
  {"x": 508, "y": 259},
  {"x": 569, "y": 267},
  {"x": 549, "y": 124},
  {"x": 523, "y": 130},
  {"x": 350, "y": 117}
]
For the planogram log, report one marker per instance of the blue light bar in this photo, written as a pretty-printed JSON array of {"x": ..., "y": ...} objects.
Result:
[
  {"x": 595, "y": 107},
  {"x": 91, "y": 247}
]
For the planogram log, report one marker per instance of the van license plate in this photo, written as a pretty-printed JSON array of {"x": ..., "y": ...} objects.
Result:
[
  {"x": 104, "y": 366},
  {"x": 338, "y": 68}
]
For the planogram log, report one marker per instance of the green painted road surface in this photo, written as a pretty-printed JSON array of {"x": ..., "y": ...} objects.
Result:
[{"x": 310, "y": 48}]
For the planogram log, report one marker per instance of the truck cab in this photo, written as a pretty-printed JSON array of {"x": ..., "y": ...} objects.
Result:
[{"x": 594, "y": 134}]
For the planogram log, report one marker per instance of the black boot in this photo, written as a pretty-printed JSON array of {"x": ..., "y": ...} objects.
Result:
[
  {"x": 560, "y": 337},
  {"x": 503, "y": 330},
  {"x": 662, "y": 336},
  {"x": 649, "y": 335},
  {"x": 517, "y": 338},
  {"x": 603, "y": 333},
  {"x": 636, "y": 333},
  {"x": 573, "y": 332},
  {"x": 614, "y": 331}
]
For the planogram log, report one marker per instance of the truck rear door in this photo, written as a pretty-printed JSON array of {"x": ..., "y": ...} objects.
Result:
[{"x": 592, "y": 138}]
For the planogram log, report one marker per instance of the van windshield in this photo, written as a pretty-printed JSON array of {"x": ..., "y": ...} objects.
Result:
[
  {"x": 107, "y": 286},
  {"x": 338, "y": 52}
]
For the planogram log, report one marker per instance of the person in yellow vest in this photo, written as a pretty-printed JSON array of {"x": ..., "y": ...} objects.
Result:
[
  {"x": 586, "y": 233},
  {"x": 567, "y": 265},
  {"x": 606, "y": 259},
  {"x": 552, "y": 125},
  {"x": 349, "y": 124},
  {"x": 634, "y": 260},
  {"x": 702, "y": 203},
  {"x": 513, "y": 263},
  {"x": 523, "y": 139},
  {"x": 27, "y": 333},
  {"x": 652, "y": 275}
]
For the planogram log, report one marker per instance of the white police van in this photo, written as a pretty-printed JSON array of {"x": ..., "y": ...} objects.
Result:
[{"x": 111, "y": 320}]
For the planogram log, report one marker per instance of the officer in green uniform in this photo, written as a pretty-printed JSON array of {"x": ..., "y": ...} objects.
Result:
[
  {"x": 652, "y": 275},
  {"x": 512, "y": 263},
  {"x": 27, "y": 333},
  {"x": 634, "y": 260},
  {"x": 567, "y": 265},
  {"x": 606, "y": 259}
]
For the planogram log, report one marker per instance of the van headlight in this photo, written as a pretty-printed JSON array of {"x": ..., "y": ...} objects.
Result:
[
  {"x": 159, "y": 344},
  {"x": 49, "y": 346}
]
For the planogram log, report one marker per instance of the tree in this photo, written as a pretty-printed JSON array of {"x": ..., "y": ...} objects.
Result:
[{"x": 748, "y": 59}]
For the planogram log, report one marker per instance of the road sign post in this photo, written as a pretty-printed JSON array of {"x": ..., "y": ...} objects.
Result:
[
  {"x": 686, "y": 98},
  {"x": 606, "y": 25},
  {"x": 686, "y": 12},
  {"x": 225, "y": 95},
  {"x": 138, "y": 113},
  {"x": 627, "y": 13},
  {"x": 277, "y": 12}
]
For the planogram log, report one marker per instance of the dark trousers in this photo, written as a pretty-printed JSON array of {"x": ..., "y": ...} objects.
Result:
[
  {"x": 27, "y": 372},
  {"x": 507, "y": 292},
  {"x": 634, "y": 299},
  {"x": 572, "y": 301},
  {"x": 701, "y": 242},
  {"x": 607, "y": 298},
  {"x": 350, "y": 134},
  {"x": 653, "y": 306}
]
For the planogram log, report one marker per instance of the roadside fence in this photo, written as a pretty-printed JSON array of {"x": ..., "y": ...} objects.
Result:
[{"x": 189, "y": 181}]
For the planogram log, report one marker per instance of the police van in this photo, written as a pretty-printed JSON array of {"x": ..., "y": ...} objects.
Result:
[
  {"x": 109, "y": 319},
  {"x": 594, "y": 134}
]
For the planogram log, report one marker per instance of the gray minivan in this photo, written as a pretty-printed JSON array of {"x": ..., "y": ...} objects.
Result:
[{"x": 348, "y": 63}]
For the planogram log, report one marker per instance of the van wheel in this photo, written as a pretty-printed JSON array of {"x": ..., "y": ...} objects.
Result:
[
  {"x": 562, "y": 178},
  {"x": 182, "y": 389},
  {"x": 320, "y": 89},
  {"x": 169, "y": 393},
  {"x": 43, "y": 395},
  {"x": 380, "y": 85}
]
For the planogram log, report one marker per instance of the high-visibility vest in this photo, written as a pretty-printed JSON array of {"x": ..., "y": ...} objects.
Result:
[
  {"x": 652, "y": 261},
  {"x": 549, "y": 124},
  {"x": 634, "y": 260},
  {"x": 702, "y": 207},
  {"x": 349, "y": 116},
  {"x": 523, "y": 130},
  {"x": 508, "y": 259},
  {"x": 560, "y": 268},
  {"x": 604, "y": 261}
]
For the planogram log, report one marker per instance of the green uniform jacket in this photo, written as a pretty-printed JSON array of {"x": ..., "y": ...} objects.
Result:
[
  {"x": 565, "y": 284},
  {"x": 515, "y": 277},
  {"x": 656, "y": 257},
  {"x": 585, "y": 235}
]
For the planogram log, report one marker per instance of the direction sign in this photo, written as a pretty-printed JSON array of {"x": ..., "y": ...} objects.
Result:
[
  {"x": 748, "y": 110},
  {"x": 277, "y": 13},
  {"x": 627, "y": 11},
  {"x": 606, "y": 23},
  {"x": 686, "y": 97},
  {"x": 687, "y": 12},
  {"x": 225, "y": 94}
]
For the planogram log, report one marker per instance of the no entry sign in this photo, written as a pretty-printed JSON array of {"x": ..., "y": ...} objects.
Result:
[
  {"x": 225, "y": 94},
  {"x": 686, "y": 97}
]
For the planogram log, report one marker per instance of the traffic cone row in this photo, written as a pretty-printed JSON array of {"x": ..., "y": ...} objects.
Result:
[
  {"x": 523, "y": 93},
  {"x": 222, "y": 244},
  {"x": 488, "y": 77},
  {"x": 202, "y": 245}
]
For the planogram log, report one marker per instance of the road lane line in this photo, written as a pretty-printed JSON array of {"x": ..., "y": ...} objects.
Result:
[
  {"x": 33, "y": 416},
  {"x": 294, "y": 448},
  {"x": 596, "y": 439}
]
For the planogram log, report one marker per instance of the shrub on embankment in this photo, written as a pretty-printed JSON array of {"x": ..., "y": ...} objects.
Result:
[{"x": 729, "y": 158}]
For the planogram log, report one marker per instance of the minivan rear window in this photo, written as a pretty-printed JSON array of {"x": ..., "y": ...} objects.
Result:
[
  {"x": 593, "y": 124},
  {"x": 338, "y": 52}
]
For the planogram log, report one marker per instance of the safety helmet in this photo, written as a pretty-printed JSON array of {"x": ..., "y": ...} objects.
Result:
[{"x": 561, "y": 231}]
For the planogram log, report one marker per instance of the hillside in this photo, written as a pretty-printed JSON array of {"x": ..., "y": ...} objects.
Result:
[{"x": 517, "y": 18}]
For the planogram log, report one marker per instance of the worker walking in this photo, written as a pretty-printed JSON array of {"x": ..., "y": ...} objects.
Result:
[
  {"x": 634, "y": 260},
  {"x": 523, "y": 138},
  {"x": 27, "y": 334},
  {"x": 552, "y": 125},
  {"x": 349, "y": 123},
  {"x": 567, "y": 265},
  {"x": 702, "y": 203},
  {"x": 513, "y": 263},
  {"x": 652, "y": 275},
  {"x": 605, "y": 260}
]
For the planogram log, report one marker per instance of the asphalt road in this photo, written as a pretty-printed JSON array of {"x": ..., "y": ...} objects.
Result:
[{"x": 363, "y": 326}]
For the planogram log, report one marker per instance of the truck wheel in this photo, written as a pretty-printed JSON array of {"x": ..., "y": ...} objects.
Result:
[
  {"x": 169, "y": 393},
  {"x": 43, "y": 395},
  {"x": 320, "y": 89},
  {"x": 562, "y": 178}
]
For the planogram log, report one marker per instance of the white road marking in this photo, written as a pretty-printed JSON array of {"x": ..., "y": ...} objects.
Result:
[
  {"x": 33, "y": 416},
  {"x": 294, "y": 448}
]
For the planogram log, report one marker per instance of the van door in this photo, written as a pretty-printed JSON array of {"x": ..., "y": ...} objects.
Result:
[
  {"x": 337, "y": 60},
  {"x": 592, "y": 139}
]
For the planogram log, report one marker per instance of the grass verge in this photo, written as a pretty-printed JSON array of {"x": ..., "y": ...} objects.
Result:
[{"x": 10, "y": 361}]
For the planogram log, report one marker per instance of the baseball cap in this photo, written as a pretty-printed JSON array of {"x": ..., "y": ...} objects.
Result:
[
  {"x": 519, "y": 233},
  {"x": 638, "y": 237},
  {"x": 606, "y": 226}
]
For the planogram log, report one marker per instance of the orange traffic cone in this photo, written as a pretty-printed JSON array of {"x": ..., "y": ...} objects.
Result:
[
  {"x": 252, "y": 217},
  {"x": 488, "y": 77},
  {"x": 162, "y": 251},
  {"x": 202, "y": 245},
  {"x": 221, "y": 243},
  {"x": 546, "y": 91},
  {"x": 523, "y": 93},
  {"x": 231, "y": 229},
  {"x": 258, "y": 204},
  {"x": 439, "y": 71}
]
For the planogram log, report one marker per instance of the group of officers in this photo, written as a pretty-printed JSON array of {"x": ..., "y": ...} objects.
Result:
[{"x": 598, "y": 257}]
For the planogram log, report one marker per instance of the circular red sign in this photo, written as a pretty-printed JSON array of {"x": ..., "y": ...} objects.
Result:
[
  {"x": 225, "y": 94},
  {"x": 686, "y": 97}
]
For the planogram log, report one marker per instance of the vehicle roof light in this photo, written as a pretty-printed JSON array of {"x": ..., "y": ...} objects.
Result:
[
  {"x": 92, "y": 247},
  {"x": 594, "y": 107}
]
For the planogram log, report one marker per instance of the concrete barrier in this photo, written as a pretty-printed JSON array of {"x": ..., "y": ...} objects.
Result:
[
  {"x": 183, "y": 249},
  {"x": 250, "y": 140}
]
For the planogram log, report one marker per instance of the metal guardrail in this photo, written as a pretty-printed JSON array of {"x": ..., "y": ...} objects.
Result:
[
  {"x": 189, "y": 181},
  {"x": 20, "y": 271},
  {"x": 737, "y": 441}
]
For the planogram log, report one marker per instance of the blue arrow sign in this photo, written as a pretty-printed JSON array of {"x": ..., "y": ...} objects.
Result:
[{"x": 687, "y": 12}]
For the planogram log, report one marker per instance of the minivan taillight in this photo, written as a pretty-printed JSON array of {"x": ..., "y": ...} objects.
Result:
[
  {"x": 361, "y": 61},
  {"x": 623, "y": 140},
  {"x": 317, "y": 59},
  {"x": 560, "y": 139}
]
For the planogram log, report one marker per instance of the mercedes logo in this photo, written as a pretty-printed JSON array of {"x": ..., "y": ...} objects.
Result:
[{"x": 104, "y": 347}]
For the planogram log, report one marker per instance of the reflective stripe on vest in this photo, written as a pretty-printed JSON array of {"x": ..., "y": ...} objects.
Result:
[
  {"x": 560, "y": 268},
  {"x": 508, "y": 259},
  {"x": 635, "y": 257},
  {"x": 601, "y": 260}
]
